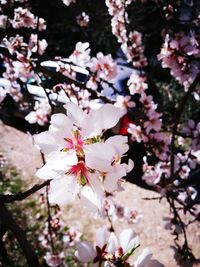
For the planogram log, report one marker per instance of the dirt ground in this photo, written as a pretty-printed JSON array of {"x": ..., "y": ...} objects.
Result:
[{"x": 152, "y": 231}]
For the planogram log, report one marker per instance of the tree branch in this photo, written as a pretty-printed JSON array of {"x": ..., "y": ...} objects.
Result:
[
  {"x": 177, "y": 120},
  {"x": 22, "y": 195},
  {"x": 20, "y": 235}
]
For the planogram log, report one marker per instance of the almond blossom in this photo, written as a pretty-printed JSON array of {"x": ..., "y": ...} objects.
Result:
[
  {"x": 124, "y": 102},
  {"x": 54, "y": 260},
  {"x": 153, "y": 122},
  {"x": 81, "y": 54},
  {"x": 115, "y": 211},
  {"x": 108, "y": 248},
  {"x": 24, "y": 18},
  {"x": 35, "y": 45},
  {"x": 103, "y": 66},
  {"x": 136, "y": 132},
  {"x": 137, "y": 83},
  {"x": 135, "y": 51},
  {"x": 112, "y": 250},
  {"x": 41, "y": 113},
  {"x": 71, "y": 237},
  {"x": 131, "y": 42},
  {"x": 174, "y": 55},
  {"x": 76, "y": 158},
  {"x": 83, "y": 19}
]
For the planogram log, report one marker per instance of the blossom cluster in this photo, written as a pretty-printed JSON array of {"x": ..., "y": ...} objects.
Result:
[
  {"x": 131, "y": 41},
  {"x": 180, "y": 53},
  {"x": 148, "y": 127},
  {"x": 13, "y": 89},
  {"x": 115, "y": 212},
  {"x": 17, "y": 45},
  {"x": 41, "y": 113},
  {"x": 185, "y": 161},
  {"x": 19, "y": 67},
  {"x": 112, "y": 250},
  {"x": 101, "y": 68},
  {"x": 23, "y": 18},
  {"x": 78, "y": 160},
  {"x": 57, "y": 239}
]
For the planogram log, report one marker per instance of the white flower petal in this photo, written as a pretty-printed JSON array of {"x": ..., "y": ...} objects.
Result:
[
  {"x": 90, "y": 200},
  {"x": 96, "y": 185},
  {"x": 62, "y": 161},
  {"x": 113, "y": 244},
  {"x": 143, "y": 258},
  {"x": 120, "y": 143},
  {"x": 99, "y": 156},
  {"x": 31, "y": 117},
  {"x": 125, "y": 238},
  {"x": 46, "y": 173},
  {"x": 61, "y": 122},
  {"x": 128, "y": 167},
  {"x": 46, "y": 142},
  {"x": 75, "y": 113},
  {"x": 112, "y": 178},
  {"x": 102, "y": 119},
  {"x": 101, "y": 237},
  {"x": 85, "y": 251},
  {"x": 64, "y": 190},
  {"x": 133, "y": 244}
]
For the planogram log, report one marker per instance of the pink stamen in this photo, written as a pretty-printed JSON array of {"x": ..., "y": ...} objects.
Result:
[
  {"x": 80, "y": 171},
  {"x": 76, "y": 142}
]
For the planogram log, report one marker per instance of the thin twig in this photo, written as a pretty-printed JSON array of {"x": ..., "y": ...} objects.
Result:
[
  {"x": 178, "y": 114},
  {"x": 49, "y": 220}
]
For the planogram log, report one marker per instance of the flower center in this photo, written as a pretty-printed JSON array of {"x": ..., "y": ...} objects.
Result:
[
  {"x": 80, "y": 171},
  {"x": 76, "y": 142}
]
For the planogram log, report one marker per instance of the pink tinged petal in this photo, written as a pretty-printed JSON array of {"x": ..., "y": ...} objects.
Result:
[
  {"x": 99, "y": 156},
  {"x": 104, "y": 118},
  {"x": 132, "y": 244},
  {"x": 125, "y": 238},
  {"x": 61, "y": 129},
  {"x": 62, "y": 161},
  {"x": 101, "y": 237},
  {"x": 113, "y": 244},
  {"x": 90, "y": 200},
  {"x": 129, "y": 166},
  {"x": 120, "y": 143},
  {"x": 64, "y": 190},
  {"x": 112, "y": 178},
  {"x": 31, "y": 117},
  {"x": 85, "y": 251},
  {"x": 143, "y": 258},
  {"x": 58, "y": 163},
  {"x": 96, "y": 185},
  {"x": 110, "y": 183},
  {"x": 61, "y": 121},
  {"x": 75, "y": 113},
  {"x": 46, "y": 142},
  {"x": 109, "y": 115},
  {"x": 47, "y": 173}
]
